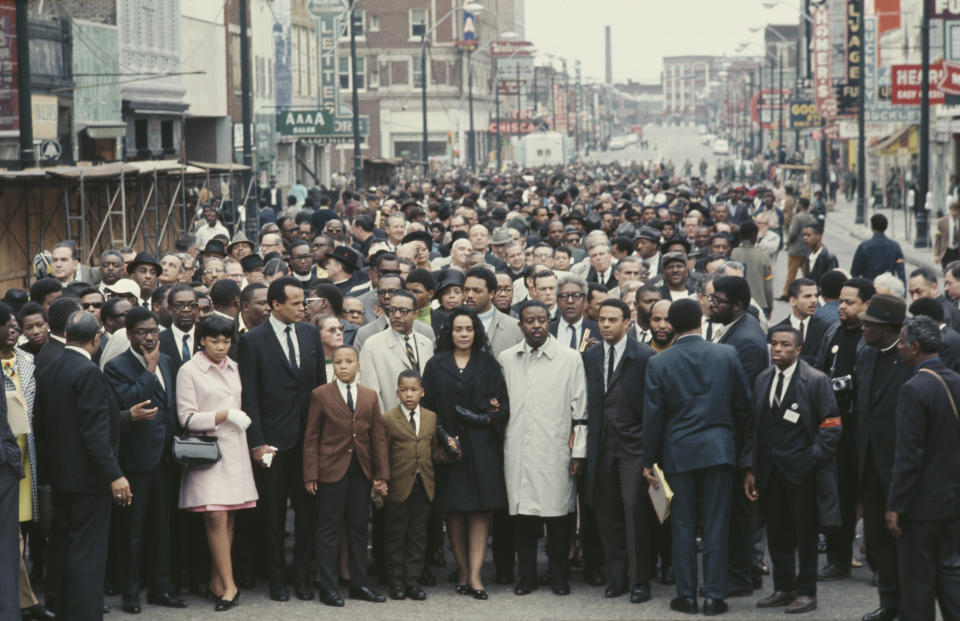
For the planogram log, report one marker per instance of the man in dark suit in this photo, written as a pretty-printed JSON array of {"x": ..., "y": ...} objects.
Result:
[
  {"x": 142, "y": 374},
  {"x": 820, "y": 260},
  {"x": 571, "y": 327},
  {"x": 60, "y": 311},
  {"x": 923, "y": 504},
  {"x": 601, "y": 268},
  {"x": 179, "y": 343},
  {"x": 78, "y": 427},
  {"x": 879, "y": 375},
  {"x": 696, "y": 399},
  {"x": 615, "y": 485},
  {"x": 949, "y": 339},
  {"x": 11, "y": 471},
  {"x": 728, "y": 308},
  {"x": 802, "y": 294},
  {"x": 278, "y": 368},
  {"x": 795, "y": 431},
  {"x": 923, "y": 284}
]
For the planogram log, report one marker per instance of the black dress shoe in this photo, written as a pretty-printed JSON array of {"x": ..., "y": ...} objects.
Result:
[
  {"x": 167, "y": 600},
  {"x": 560, "y": 586},
  {"x": 505, "y": 577},
  {"x": 398, "y": 592},
  {"x": 331, "y": 597},
  {"x": 524, "y": 587},
  {"x": 366, "y": 594},
  {"x": 714, "y": 606},
  {"x": 881, "y": 614},
  {"x": 37, "y": 612},
  {"x": 684, "y": 604},
  {"x": 614, "y": 589},
  {"x": 833, "y": 571},
  {"x": 131, "y": 606},
  {"x": 594, "y": 577},
  {"x": 278, "y": 593},
  {"x": 223, "y": 605},
  {"x": 416, "y": 593},
  {"x": 478, "y": 593},
  {"x": 666, "y": 576},
  {"x": 303, "y": 591},
  {"x": 426, "y": 578},
  {"x": 640, "y": 593}
]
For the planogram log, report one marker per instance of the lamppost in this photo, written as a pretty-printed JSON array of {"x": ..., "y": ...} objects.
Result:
[
  {"x": 922, "y": 238},
  {"x": 470, "y": 7}
]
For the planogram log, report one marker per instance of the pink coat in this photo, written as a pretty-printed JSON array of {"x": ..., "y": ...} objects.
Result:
[{"x": 203, "y": 389}]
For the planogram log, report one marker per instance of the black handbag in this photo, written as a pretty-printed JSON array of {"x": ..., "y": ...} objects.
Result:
[{"x": 195, "y": 452}]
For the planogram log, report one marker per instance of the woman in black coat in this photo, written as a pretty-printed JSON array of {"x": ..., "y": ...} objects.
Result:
[{"x": 464, "y": 385}]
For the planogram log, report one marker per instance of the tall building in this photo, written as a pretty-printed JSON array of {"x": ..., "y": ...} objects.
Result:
[{"x": 686, "y": 84}]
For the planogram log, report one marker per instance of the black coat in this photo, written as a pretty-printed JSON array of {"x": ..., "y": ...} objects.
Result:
[
  {"x": 624, "y": 400},
  {"x": 925, "y": 483},
  {"x": 475, "y": 482},
  {"x": 950, "y": 348},
  {"x": 610, "y": 283},
  {"x": 171, "y": 348},
  {"x": 274, "y": 396},
  {"x": 78, "y": 426},
  {"x": 825, "y": 262},
  {"x": 144, "y": 443},
  {"x": 877, "y": 411},
  {"x": 747, "y": 337},
  {"x": 50, "y": 351},
  {"x": 951, "y": 315},
  {"x": 815, "y": 330}
]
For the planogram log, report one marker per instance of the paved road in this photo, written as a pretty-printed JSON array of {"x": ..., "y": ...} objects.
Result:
[{"x": 844, "y": 600}]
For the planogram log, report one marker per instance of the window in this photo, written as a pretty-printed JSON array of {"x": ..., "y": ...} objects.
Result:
[
  {"x": 166, "y": 135},
  {"x": 373, "y": 24},
  {"x": 235, "y": 60},
  {"x": 358, "y": 20},
  {"x": 140, "y": 138},
  {"x": 417, "y": 72},
  {"x": 418, "y": 23},
  {"x": 344, "y": 72}
]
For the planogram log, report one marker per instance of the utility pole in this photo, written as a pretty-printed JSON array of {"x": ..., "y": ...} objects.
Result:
[
  {"x": 496, "y": 110},
  {"x": 471, "y": 142},
  {"x": 519, "y": 104},
  {"x": 861, "y": 140},
  {"x": 423, "y": 99},
  {"x": 28, "y": 157},
  {"x": 922, "y": 238},
  {"x": 760, "y": 107},
  {"x": 251, "y": 205},
  {"x": 749, "y": 129},
  {"x": 357, "y": 156},
  {"x": 780, "y": 152}
]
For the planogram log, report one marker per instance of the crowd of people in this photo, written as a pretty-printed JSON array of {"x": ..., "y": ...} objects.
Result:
[{"x": 468, "y": 362}]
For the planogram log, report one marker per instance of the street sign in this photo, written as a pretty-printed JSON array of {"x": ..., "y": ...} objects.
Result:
[
  {"x": 823, "y": 93},
  {"x": 323, "y": 8},
  {"x": 878, "y": 109},
  {"x": 50, "y": 150},
  {"x": 510, "y": 126},
  {"x": 905, "y": 84},
  {"x": 804, "y": 114},
  {"x": 318, "y": 122},
  {"x": 510, "y": 48}
]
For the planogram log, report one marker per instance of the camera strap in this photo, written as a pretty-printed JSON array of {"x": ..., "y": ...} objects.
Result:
[{"x": 953, "y": 404}]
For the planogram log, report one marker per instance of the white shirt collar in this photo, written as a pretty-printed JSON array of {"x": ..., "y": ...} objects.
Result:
[
  {"x": 787, "y": 375},
  {"x": 58, "y": 338},
  {"x": 795, "y": 322},
  {"x": 618, "y": 348}
]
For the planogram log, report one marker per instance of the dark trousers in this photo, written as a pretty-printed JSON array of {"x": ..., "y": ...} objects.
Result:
[
  {"x": 840, "y": 538},
  {"x": 145, "y": 526},
  {"x": 346, "y": 500},
  {"x": 743, "y": 519},
  {"x": 881, "y": 546},
  {"x": 434, "y": 531},
  {"x": 80, "y": 526},
  {"x": 790, "y": 511},
  {"x": 504, "y": 545},
  {"x": 590, "y": 543},
  {"x": 663, "y": 544},
  {"x": 625, "y": 517},
  {"x": 283, "y": 480},
  {"x": 705, "y": 491},
  {"x": 528, "y": 529},
  {"x": 405, "y": 535},
  {"x": 9, "y": 544},
  {"x": 929, "y": 556}
]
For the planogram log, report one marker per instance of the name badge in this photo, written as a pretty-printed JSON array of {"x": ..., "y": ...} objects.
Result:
[{"x": 791, "y": 415}]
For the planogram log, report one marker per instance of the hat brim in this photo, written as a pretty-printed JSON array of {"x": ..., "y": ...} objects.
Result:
[
  {"x": 867, "y": 318},
  {"x": 133, "y": 266}
]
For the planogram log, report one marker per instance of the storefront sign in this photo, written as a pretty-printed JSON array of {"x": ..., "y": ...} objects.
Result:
[
  {"x": 905, "y": 84},
  {"x": 823, "y": 93},
  {"x": 804, "y": 114},
  {"x": 940, "y": 9},
  {"x": 44, "y": 116}
]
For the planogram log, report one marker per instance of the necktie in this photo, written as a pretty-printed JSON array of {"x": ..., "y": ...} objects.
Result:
[
  {"x": 349, "y": 398},
  {"x": 802, "y": 335},
  {"x": 573, "y": 338},
  {"x": 292, "y": 353},
  {"x": 410, "y": 356},
  {"x": 777, "y": 390},
  {"x": 610, "y": 366},
  {"x": 185, "y": 351},
  {"x": 413, "y": 423},
  {"x": 642, "y": 336},
  {"x": 709, "y": 330}
]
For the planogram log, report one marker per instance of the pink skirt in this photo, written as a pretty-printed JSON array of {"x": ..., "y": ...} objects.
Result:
[{"x": 205, "y": 508}]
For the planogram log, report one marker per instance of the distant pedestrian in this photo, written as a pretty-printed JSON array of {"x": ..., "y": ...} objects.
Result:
[{"x": 878, "y": 254}]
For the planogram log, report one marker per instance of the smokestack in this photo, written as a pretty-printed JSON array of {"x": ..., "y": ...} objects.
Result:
[{"x": 609, "y": 56}]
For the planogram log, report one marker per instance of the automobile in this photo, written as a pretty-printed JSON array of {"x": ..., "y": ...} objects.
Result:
[
  {"x": 721, "y": 146},
  {"x": 619, "y": 142},
  {"x": 701, "y": 129},
  {"x": 708, "y": 139}
]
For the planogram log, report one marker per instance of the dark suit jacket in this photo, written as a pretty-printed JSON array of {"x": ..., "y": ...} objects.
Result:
[
  {"x": 171, "y": 348},
  {"x": 334, "y": 435},
  {"x": 274, "y": 396},
  {"x": 877, "y": 411},
  {"x": 950, "y": 348},
  {"x": 696, "y": 398},
  {"x": 588, "y": 324},
  {"x": 144, "y": 443},
  {"x": 79, "y": 426},
  {"x": 825, "y": 262},
  {"x": 610, "y": 283},
  {"x": 50, "y": 351},
  {"x": 925, "y": 483},
  {"x": 811, "y": 392},
  {"x": 747, "y": 337},
  {"x": 816, "y": 328},
  {"x": 951, "y": 315},
  {"x": 621, "y": 403}
]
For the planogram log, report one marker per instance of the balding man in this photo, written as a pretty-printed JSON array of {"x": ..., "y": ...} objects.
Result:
[
  {"x": 271, "y": 242},
  {"x": 479, "y": 238}
]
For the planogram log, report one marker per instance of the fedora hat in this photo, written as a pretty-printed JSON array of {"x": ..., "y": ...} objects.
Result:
[
  {"x": 886, "y": 309},
  {"x": 215, "y": 246},
  {"x": 348, "y": 256},
  {"x": 251, "y": 262},
  {"x": 144, "y": 258},
  {"x": 241, "y": 238},
  {"x": 500, "y": 237}
]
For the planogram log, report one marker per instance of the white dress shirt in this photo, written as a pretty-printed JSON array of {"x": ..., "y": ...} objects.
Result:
[
  {"x": 178, "y": 335},
  {"x": 280, "y": 329},
  {"x": 416, "y": 416},
  {"x": 618, "y": 348},
  {"x": 813, "y": 256},
  {"x": 156, "y": 371},
  {"x": 787, "y": 375},
  {"x": 343, "y": 391},
  {"x": 563, "y": 331},
  {"x": 800, "y": 324},
  {"x": 644, "y": 335}
]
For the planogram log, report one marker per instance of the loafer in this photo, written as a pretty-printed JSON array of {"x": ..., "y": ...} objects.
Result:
[
  {"x": 833, "y": 571},
  {"x": 366, "y": 594},
  {"x": 463, "y": 589},
  {"x": 167, "y": 600},
  {"x": 524, "y": 587},
  {"x": 614, "y": 589},
  {"x": 777, "y": 598},
  {"x": 331, "y": 597},
  {"x": 37, "y": 612},
  {"x": 278, "y": 593},
  {"x": 640, "y": 593},
  {"x": 666, "y": 576},
  {"x": 426, "y": 578},
  {"x": 594, "y": 578},
  {"x": 416, "y": 593},
  {"x": 303, "y": 591},
  {"x": 714, "y": 606},
  {"x": 398, "y": 592},
  {"x": 881, "y": 614},
  {"x": 803, "y": 603},
  {"x": 131, "y": 606},
  {"x": 684, "y": 604},
  {"x": 560, "y": 586}
]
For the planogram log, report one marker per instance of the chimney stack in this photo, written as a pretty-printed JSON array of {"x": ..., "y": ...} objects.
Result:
[{"x": 609, "y": 56}]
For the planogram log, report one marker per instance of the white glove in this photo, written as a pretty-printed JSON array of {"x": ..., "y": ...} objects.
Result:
[
  {"x": 267, "y": 459},
  {"x": 238, "y": 418}
]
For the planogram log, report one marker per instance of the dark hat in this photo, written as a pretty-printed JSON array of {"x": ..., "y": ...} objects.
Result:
[
  {"x": 499, "y": 212},
  {"x": 571, "y": 229},
  {"x": 451, "y": 278},
  {"x": 671, "y": 257},
  {"x": 419, "y": 236},
  {"x": 594, "y": 220},
  {"x": 145, "y": 258},
  {"x": 15, "y": 298},
  {"x": 251, "y": 262},
  {"x": 574, "y": 215},
  {"x": 678, "y": 240},
  {"x": 649, "y": 233},
  {"x": 886, "y": 309},
  {"x": 270, "y": 256},
  {"x": 215, "y": 246},
  {"x": 348, "y": 256}
]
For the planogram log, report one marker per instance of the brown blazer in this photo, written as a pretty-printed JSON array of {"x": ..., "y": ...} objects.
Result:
[
  {"x": 408, "y": 451},
  {"x": 333, "y": 434},
  {"x": 941, "y": 239}
]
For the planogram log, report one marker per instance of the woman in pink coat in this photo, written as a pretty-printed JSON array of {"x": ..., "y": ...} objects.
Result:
[{"x": 208, "y": 400}]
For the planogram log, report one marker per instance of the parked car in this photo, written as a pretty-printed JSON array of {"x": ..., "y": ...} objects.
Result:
[{"x": 721, "y": 147}]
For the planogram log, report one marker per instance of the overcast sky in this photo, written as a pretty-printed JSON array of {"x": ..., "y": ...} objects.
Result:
[{"x": 644, "y": 31}]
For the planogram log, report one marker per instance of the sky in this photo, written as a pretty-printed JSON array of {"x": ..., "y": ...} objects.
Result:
[{"x": 644, "y": 31}]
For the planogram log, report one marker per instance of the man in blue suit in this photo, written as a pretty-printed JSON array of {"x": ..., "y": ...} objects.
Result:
[{"x": 696, "y": 400}]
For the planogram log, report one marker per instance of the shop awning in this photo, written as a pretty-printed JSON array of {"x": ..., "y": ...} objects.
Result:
[
  {"x": 905, "y": 137},
  {"x": 105, "y": 131}
]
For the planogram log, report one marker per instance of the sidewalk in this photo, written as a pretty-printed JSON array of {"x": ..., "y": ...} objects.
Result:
[{"x": 898, "y": 230}]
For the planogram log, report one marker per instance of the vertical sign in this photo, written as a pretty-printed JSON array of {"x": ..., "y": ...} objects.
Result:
[
  {"x": 9, "y": 108},
  {"x": 560, "y": 108},
  {"x": 578, "y": 108},
  {"x": 820, "y": 62},
  {"x": 327, "y": 14},
  {"x": 848, "y": 92}
]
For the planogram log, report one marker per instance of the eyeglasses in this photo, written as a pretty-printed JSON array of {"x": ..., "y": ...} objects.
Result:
[
  {"x": 386, "y": 292},
  {"x": 717, "y": 301},
  {"x": 96, "y": 305},
  {"x": 144, "y": 333},
  {"x": 396, "y": 310},
  {"x": 182, "y": 306},
  {"x": 358, "y": 312},
  {"x": 575, "y": 296}
]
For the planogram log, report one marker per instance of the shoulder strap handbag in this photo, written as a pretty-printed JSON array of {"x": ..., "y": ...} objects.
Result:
[
  {"x": 194, "y": 452},
  {"x": 953, "y": 404}
]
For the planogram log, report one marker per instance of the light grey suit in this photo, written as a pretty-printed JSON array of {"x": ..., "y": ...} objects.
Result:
[
  {"x": 384, "y": 357},
  {"x": 380, "y": 324},
  {"x": 504, "y": 333}
]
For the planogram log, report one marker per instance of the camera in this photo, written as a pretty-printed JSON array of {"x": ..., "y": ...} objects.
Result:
[{"x": 842, "y": 384}]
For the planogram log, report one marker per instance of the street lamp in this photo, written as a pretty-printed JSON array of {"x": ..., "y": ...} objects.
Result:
[{"x": 470, "y": 7}]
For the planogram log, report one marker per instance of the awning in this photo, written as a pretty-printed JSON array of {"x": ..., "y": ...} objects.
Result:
[
  {"x": 220, "y": 168},
  {"x": 904, "y": 138},
  {"x": 105, "y": 131}
]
